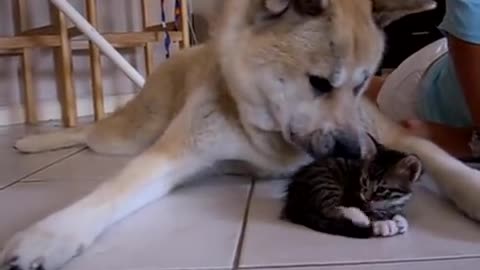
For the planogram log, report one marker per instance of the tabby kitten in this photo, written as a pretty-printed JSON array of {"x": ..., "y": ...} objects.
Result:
[{"x": 354, "y": 198}]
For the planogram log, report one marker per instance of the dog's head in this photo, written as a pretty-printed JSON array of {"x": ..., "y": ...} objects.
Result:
[{"x": 299, "y": 66}]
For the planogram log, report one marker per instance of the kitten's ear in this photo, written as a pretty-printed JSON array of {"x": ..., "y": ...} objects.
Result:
[
  {"x": 369, "y": 147},
  {"x": 276, "y": 6},
  {"x": 411, "y": 167},
  {"x": 388, "y": 11}
]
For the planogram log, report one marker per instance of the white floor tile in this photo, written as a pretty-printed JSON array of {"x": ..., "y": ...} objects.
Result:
[
  {"x": 196, "y": 227},
  {"x": 437, "y": 231},
  {"x": 43, "y": 127},
  {"x": 463, "y": 264},
  {"x": 90, "y": 165},
  {"x": 25, "y": 203},
  {"x": 17, "y": 131},
  {"x": 14, "y": 165},
  {"x": 85, "y": 165}
]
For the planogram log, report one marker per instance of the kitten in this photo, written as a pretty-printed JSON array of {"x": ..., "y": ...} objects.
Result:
[{"x": 354, "y": 198}]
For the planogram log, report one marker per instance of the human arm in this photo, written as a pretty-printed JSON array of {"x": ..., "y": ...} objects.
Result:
[
  {"x": 453, "y": 140},
  {"x": 461, "y": 26},
  {"x": 466, "y": 59}
]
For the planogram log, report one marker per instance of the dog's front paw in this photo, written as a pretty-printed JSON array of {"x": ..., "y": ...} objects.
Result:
[
  {"x": 386, "y": 228},
  {"x": 41, "y": 247},
  {"x": 464, "y": 191}
]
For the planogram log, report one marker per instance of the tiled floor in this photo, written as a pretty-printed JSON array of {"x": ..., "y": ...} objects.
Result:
[{"x": 221, "y": 223}]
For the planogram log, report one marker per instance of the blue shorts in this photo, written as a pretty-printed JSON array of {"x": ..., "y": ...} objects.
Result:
[{"x": 441, "y": 96}]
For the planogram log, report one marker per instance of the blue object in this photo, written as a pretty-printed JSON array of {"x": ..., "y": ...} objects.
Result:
[
  {"x": 167, "y": 42},
  {"x": 442, "y": 99}
]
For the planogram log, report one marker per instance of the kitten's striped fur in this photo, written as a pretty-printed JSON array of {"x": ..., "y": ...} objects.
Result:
[{"x": 331, "y": 195}]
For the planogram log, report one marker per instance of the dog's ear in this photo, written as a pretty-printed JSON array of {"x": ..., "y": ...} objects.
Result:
[
  {"x": 276, "y": 6},
  {"x": 387, "y": 11}
]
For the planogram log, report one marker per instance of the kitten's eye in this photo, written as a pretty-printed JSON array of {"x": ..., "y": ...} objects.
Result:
[{"x": 381, "y": 190}]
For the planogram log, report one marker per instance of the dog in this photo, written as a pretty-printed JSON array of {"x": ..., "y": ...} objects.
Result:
[{"x": 279, "y": 84}]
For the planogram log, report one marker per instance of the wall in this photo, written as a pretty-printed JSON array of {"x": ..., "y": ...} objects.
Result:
[{"x": 114, "y": 16}]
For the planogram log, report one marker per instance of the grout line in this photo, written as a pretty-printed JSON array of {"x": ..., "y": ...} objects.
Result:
[
  {"x": 43, "y": 168},
  {"x": 398, "y": 262},
  {"x": 35, "y": 181},
  {"x": 238, "y": 249},
  {"x": 59, "y": 178}
]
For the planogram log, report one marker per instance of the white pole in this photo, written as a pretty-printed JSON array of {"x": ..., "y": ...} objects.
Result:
[{"x": 85, "y": 27}]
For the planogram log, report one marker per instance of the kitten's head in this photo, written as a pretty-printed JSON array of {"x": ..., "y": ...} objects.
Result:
[{"x": 388, "y": 176}]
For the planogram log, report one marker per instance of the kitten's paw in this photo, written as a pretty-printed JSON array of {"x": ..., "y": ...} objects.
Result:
[
  {"x": 385, "y": 228},
  {"x": 357, "y": 216},
  {"x": 401, "y": 223}
]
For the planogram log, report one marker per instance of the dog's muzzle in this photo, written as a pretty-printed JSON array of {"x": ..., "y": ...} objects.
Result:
[{"x": 334, "y": 144}]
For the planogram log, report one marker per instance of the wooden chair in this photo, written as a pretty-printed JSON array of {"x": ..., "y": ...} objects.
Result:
[
  {"x": 8, "y": 47},
  {"x": 55, "y": 36},
  {"x": 146, "y": 38},
  {"x": 58, "y": 36}
]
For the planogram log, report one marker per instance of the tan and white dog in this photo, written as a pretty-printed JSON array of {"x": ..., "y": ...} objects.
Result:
[{"x": 278, "y": 80}]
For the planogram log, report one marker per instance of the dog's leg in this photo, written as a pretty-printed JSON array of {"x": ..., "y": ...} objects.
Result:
[
  {"x": 52, "y": 242},
  {"x": 459, "y": 182}
]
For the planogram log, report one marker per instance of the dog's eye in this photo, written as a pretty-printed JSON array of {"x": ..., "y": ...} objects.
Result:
[
  {"x": 310, "y": 7},
  {"x": 320, "y": 85},
  {"x": 276, "y": 8}
]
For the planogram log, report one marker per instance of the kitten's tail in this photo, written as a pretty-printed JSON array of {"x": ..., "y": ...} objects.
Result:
[{"x": 341, "y": 226}]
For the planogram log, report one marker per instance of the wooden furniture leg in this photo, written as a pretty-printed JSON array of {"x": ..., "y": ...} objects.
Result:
[
  {"x": 148, "y": 49},
  {"x": 185, "y": 26},
  {"x": 64, "y": 69},
  {"x": 95, "y": 65},
  {"x": 29, "y": 97}
]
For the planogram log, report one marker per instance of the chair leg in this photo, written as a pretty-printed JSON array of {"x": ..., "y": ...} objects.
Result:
[
  {"x": 29, "y": 98},
  {"x": 64, "y": 68},
  {"x": 148, "y": 49},
  {"x": 29, "y": 94},
  {"x": 95, "y": 65},
  {"x": 185, "y": 26}
]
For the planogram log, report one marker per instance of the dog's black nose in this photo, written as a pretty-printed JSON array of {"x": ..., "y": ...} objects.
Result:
[
  {"x": 321, "y": 86},
  {"x": 347, "y": 146},
  {"x": 320, "y": 145}
]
